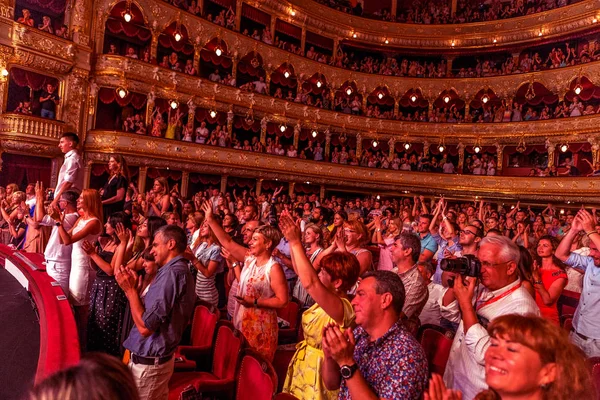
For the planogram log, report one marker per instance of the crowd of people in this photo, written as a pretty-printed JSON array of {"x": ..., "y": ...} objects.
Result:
[
  {"x": 45, "y": 25},
  {"x": 368, "y": 271},
  {"x": 431, "y": 12}
]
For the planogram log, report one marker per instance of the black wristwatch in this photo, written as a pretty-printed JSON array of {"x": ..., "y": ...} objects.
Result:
[{"x": 348, "y": 370}]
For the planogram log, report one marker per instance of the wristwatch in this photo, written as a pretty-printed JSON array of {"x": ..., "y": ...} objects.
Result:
[
  {"x": 58, "y": 224},
  {"x": 348, "y": 370}
]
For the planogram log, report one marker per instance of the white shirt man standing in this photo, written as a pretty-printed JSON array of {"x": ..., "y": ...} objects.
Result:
[
  {"x": 499, "y": 293},
  {"x": 70, "y": 176}
]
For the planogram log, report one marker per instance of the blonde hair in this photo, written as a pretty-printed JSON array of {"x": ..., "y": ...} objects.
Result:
[{"x": 92, "y": 203}]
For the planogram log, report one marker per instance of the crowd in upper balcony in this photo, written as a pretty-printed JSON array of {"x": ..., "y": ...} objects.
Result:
[
  {"x": 432, "y": 12},
  {"x": 45, "y": 24}
]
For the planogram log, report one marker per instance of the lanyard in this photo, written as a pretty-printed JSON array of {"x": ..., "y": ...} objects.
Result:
[{"x": 498, "y": 298}]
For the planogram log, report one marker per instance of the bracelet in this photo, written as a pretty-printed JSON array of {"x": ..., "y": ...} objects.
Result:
[
  {"x": 234, "y": 265},
  {"x": 590, "y": 233}
]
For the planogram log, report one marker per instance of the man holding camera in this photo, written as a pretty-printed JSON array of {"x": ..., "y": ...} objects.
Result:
[{"x": 474, "y": 305}]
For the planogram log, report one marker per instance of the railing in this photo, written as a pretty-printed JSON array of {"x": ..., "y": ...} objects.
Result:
[
  {"x": 59, "y": 343},
  {"x": 21, "y": 124}
]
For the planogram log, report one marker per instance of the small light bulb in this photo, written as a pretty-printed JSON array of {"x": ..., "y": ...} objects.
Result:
[
  {"x": 406, "y": 146},
  {"x": 564, "y": 148},
  {"x": 177, "y": 36},
  {"x": 293, "y": 12},
  {"x": 413, "y": 98},
  {"x": 453, "y": 43},
  {"x": 380, "y": 95},
  {"x": 218, "y": 51},
  {"x": 4, "y": 72},
  {"x": 282, "y": 127},
  {"x": 477, "y": 149},
  {"x": 485, "y": 99},
  {"x": 562, "y": 211},
  {"x": 174, "y": 104},
  {"x": 354, "y": 35},
  {"x": 319, "y": 84},
  {"x": 122, "y": 93},
  {"x": 286, "y": 74},
  {"x": 314, "y": 133},
  {"x": 495, "y": 40},
  {"x": 127, "y": 16},
  {"x": 578, "y": 90},
  {"x": 441, "y": 149},
  {"x": 446, "y": 99},
  {"x": 378, "y": 197},
  {"x": 348, "y": 91},
  {"x": 387, "y": 41},
  {"x": 213, "y": 113},
  {"x": 595, "y": 20},
  {"x": 540, "y": 33},
  {"x": 375, "y": 144}
]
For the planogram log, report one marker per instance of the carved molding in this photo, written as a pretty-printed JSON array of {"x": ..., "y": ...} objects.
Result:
[
  {"x": 40, "y": 62},
  {"x": 45, "y": 43},
  {"x": 141, "y": 77},
  {"x": 162, "y": 153}
]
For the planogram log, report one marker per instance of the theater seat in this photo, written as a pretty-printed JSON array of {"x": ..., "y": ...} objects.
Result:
[
  {"x": 202, "y": 335},
  {"x": 566, "y": 321},
  {"x": 437, "y": 349},
  {"x": 568, "y": 302},
  {"x": 256, "y": 379},
  {"x": 594, "y": 363},
  {"x": 220, "y": 381},
  {"x": 291, "y": 313}
]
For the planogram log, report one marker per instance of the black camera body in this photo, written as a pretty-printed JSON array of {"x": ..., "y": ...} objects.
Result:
[{"x": 467, "y": 265}]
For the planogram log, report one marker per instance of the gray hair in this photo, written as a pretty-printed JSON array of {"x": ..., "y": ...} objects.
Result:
[{"x": 507, "y": 249}]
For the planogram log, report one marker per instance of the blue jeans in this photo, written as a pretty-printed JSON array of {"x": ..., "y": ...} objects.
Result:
[{"x": 48, "y": 114}]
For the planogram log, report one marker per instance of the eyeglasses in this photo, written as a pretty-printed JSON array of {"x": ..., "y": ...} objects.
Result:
[
  {"x": 466, "y": 232},
  {"x": 486, "y": 264}
]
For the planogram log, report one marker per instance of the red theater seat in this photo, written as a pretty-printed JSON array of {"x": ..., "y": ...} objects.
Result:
[
  {"x": 220, "y": 381},
  {"x": 594, "y": 363},
  {"x": 256, "y": 379},
  {"x": 291, "y": 313},
  {"x": 204, "y": 324},
  {"x": 437, "y": 348}
]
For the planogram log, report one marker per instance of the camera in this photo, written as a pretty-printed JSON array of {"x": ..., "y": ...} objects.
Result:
[{"x": 467, "y": 265}]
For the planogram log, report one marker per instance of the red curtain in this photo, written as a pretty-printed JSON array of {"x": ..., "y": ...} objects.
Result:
[
  {"x": 256, "y": 15},
  {"x": 241, "y": 182},
  {"x": 454, "y": 100},
  {"x": 420, "y": 103},
  {"x": 386, "y": 100},
  {"x": 225, "y": 3},
  {"x": 251, "y": 64},
  {"x": 589, "y": 90},
  {"x": 214, "y": 59},
  {"x": 367, "y": 144},
  {"x": 318, "y": 40},
  {"x": 542, "y": 95},
  {"x": 350, "y": 141},
  {"x": 118, "y": 26},
  {"x": 310, "y": 84},
  {"x": 204, "y": 115},
  {"x": 154, "y": 173},
  {"x": 169, "y": 42},
  {"x": 17, "y": 167},
  {"x": 278, "y": 78},
  {"x": 240, "y": 123},
  {"x": 484, "y": 149},
  {"x": 32, "y": 80},
  {"x": 305, "y": 188},
  {"x": 109, "y": 95},
  {"x": 205, "y": 179},
  {"x": 272, "y": 185},
  {"x": 136, "y": 14},
  {"x": 288, "y": 29},
  {"x": 55, "y": 6}
]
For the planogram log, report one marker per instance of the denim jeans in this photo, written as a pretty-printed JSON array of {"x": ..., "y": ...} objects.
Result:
[{"x": 48, "y": 114}]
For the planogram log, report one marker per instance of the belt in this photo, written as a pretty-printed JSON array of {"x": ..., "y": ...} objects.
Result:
[
  {"x": 579, "y": 334},
  {"x": 150, "y": 360}
]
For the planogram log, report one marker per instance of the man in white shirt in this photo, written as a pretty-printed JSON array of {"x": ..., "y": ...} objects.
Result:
[
  {"x": 58, "y": 255},
  {"x": 585, "y": 333},
  {"x": 260, "y": 86},
  {"x": 70, "y": 176},
  {"x": 215, "y": 77},
  {"x": 499, "y": 293},
  {"x": 430, "y": 314}
]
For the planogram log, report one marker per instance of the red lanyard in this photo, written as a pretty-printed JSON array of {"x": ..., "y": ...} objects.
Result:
[{"x": 498, "y": 298}]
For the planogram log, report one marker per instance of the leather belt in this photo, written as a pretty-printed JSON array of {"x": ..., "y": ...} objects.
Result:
[
  {"x": 150, "y": 360},
  {"x": 579, "y": 334}
]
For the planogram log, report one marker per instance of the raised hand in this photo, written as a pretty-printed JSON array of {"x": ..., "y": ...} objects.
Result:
[
  {"x": 88, "y": 247},
  {"x": 587, "y": 220},
  {"x": 208, "y": 211},
  {"x": 288, "y": 227},
  {"x": 122, "y": 233}
]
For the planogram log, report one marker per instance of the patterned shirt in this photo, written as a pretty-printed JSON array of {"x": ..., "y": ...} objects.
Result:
[{"x": 394, "y": 366}]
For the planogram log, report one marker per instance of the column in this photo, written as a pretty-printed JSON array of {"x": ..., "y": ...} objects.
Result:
[
  {"x": 392, "y": 144},
  {"x": 327, "y": 144},
  {"x": 268, "y": 80},
  {"x": 358, "y": 145},
  {"x": 191, "y": 112},
  {"x": 200, "y": 4},
  {"x": 230, "y": 116},
  {"x": 453, "y": 7},
  {"x": 81, "y": 21},
  {"x": 449, "y": 66},
  {"x": 87, "y": 170},
  {"x": 263, "y": 130},
  {"x": 234, "y": 69},
  {"x": 303, "y": 40},
  {"x": 322, "y": 193},
  {"x": 297, "y": 130},
  {"x": 299, "y": 88},
  {"x": 467, "y": 109},
  {"x": 593, "y": 141},
  {"x": 426, "y": 146},
  {"x": 57, "y": 162},
  {"x": 185, "y": 183},
  {"x": 461, "y": 158},
  {"x": 92, "y": 104},
  {"x": 197, "y": 50},
  {"x": 336, "y": 45},
  {"x": 223, "y": 183},
  {"x": 3, "y": 82},
  {"x": 273, "y": 23},
  {"x": 394, "y": 10},
  {"x": 142, "y": 179},
  {"x": 550, "y": 147},
  {"x": 500, "y": 155},
  {"x": 154, "y": 46},
  {"x": 238, "y": 14},
  {"x": 149, "y": 108},
  {"x": 364, "y": 102},
  {"x": 292, "y": 186},
  {"x": 258, "y": 186},
  {"x": 397, "y": 105}
]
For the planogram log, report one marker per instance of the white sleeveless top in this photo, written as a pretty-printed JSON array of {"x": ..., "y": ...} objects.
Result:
[{"x": 251, "y": 281}]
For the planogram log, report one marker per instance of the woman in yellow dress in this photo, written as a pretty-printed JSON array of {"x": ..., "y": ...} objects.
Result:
[{"x": 338, "y": 273}]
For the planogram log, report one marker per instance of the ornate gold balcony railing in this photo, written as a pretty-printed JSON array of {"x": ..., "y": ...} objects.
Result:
[
  {"x": 340, "y": 26},
  {"x": 144, "y": 78},
  {"x": 21, "y": 125},
  {"x": 190, "y": 157}
]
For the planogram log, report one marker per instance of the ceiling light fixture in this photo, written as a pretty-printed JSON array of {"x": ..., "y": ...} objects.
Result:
[
  {"x": 375, "y": 143},
  {"x": 354, "y": 35},
  {"x": 413, "y": 98},
  {"x": 387, "y": 41},
  {"x": 286, "y": 74},
  {"x": 380, "y": 95},
  {"x": 446, "y": 99},
  {"x": 406, "y": 146},
  {"x": 564, "y": 147},
  {"x": 485, "y": 99},
  {"x": 495, "y": 40},
  {"x": 282, "y": 127},
  {"x": 174, "y": 104},
  {"x": 122, "y": 92},
  {"x": 212, "y": 113},
  {"x": 319, "y": 84},
  {"x": 349, "y": 91},
  {"x": 578, "y": 89},
  {"x": 218, "y": 51},
  {"x": 315, "y": 133}
]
